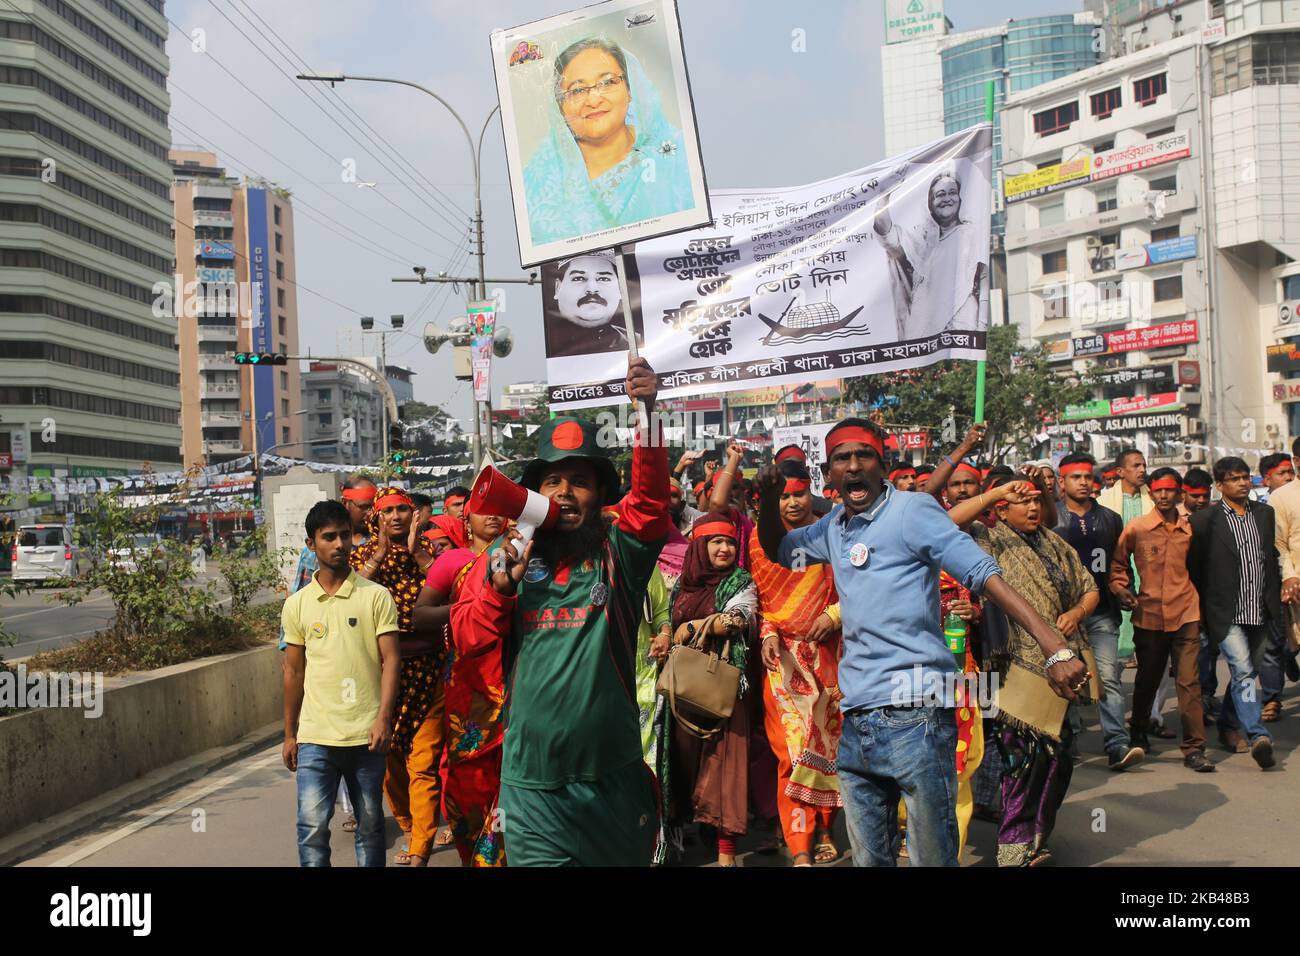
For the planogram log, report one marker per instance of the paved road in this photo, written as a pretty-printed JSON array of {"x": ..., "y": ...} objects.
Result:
[
  {"x": 1157, "y": 814},
  {"x": 42, "y": 623}
]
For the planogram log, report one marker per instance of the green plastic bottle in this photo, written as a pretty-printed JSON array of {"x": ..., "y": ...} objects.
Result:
[{"x": 954, "y": 632}]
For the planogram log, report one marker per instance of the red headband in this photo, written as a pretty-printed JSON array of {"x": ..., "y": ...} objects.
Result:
[
  {"x": 1110, "y": 473},
  {"x": 971, "y": 468},
  {"x": 902, "y": 472},
  {"x": 791, "y": 451},
  {"x": 452, "y": 500},
  {"x": 846, "y": 433},
  {"x": 1162, "y": 484},
  {"x": 794, "y": 486},
  {"x": 714, "y": 527},
  {"x": 393, "y": 498},
  {"x": 434, "y": 533},
  {"x": 1285, "y": 461},
  {"x": 1075, "y": 468},
  {"x": 1193, "y": 490},
  {"x": 360, "y": 494}
]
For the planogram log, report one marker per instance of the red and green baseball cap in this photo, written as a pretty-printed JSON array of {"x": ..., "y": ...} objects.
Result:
[{"x": 564, "y": 438}]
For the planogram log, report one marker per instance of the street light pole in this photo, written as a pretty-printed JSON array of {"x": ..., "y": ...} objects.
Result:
[{"x": 475, "y": 155}]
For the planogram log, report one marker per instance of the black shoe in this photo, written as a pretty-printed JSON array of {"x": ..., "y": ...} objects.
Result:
[
  {"x": 1140, "y": 741},
  {"x": 1292, "y": 669},
  {"x": 1123, "y": 758},
  {"x": 1197, "y": 761},
  {"x": 1261, "y": 750}
]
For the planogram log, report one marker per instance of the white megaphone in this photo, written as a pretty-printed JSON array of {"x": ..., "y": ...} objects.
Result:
[{"x": 495, "y": 494}]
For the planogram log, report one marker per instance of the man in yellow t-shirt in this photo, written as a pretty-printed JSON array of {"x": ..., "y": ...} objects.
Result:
[{"x": 341, "y": 674}]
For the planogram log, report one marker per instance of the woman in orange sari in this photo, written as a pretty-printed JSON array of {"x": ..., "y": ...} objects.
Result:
[
  {"x": 801, "y": 649},
  {"x": 474, "y": 693}
]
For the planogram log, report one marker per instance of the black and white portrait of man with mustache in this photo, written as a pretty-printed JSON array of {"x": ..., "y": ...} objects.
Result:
[{"x": 584, "y": 314}]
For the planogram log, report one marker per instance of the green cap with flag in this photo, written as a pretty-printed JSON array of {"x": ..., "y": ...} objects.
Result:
[{"x": 563, "y": 438}]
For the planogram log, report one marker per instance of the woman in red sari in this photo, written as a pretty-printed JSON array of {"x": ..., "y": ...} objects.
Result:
[{"x": 474, "y": 694}]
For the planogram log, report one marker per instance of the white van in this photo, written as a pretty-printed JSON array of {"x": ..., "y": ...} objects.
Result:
[{"x": 44, "y": 552}]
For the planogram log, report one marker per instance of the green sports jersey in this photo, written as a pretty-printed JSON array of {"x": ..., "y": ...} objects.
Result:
[{"x": 571, "y": 710}]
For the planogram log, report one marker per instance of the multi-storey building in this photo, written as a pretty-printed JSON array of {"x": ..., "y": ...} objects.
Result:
[
  {"x": 88, "y": 363},
  {"x": 1148, "y": 232},
  {"x": 235, "y": 292},
  {"x": 345, "y": 412}
]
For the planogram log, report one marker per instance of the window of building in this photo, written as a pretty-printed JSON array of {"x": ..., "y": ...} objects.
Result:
[
  {"x": 1165, "y": 184},
  {"x": 279, "y": 242},
  {"x": 1290, "y": 288},
  {"x": 275, "y": 210},
  {"x": 1105, "y": 103},
  {"x": 326, "y": 418},
  {"x": 284, "y": 406},
  {"x": 1275, "y": 58},
  {"x": 1102, "y": 146},
  {"x": 1109, "y": 238},
  {"x": 1167, "y": 289},
  {"x": 1107, "y": 198},
  {"x": 322, "y": 395},
  {"x": 279, "y": 298},
  {"x": 284, "y": 379},
  {"x": 1057, "y": 119},
  {"x": 284, "y": 435},
  {"x": 1148, "y": 89},
  {"x": 282, "y": 326},
  {"x": 1051, "y": 214},
  {"x": 279, "y": 269},
  {"x": 1157, "y": 133},
  {"x": 1054, "y": 262},
  {"x": 1163, "y": 233}
]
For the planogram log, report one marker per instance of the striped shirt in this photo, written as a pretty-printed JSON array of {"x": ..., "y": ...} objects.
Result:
[{"x": 1250, "y": 587}]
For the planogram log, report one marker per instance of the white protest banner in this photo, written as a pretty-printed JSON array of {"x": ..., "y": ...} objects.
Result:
[
  {"x": 812, "y": 439},
  {"x": 599, "y": 128},
  {"x": 882, "y": 269}
]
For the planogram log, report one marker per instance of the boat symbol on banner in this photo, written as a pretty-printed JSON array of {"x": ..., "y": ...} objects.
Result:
[{"x": 805, "y": 322}]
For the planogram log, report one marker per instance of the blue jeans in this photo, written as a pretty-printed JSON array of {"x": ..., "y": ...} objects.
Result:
[
  {"x": 1103, "y": 635},
  {"x": 1241, "y": 704},
  {"x": 1208, "y": 662},
  {"x": 908, "y": 752},
  {"x": 319, "y": 770},
  {"x": 1272, "y": 667}
]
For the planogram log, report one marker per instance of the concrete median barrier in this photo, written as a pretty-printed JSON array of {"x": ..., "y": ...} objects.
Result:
[{"x": 55, "y": 758}]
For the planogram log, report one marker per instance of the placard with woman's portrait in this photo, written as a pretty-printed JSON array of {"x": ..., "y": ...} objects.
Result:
[{"x": 600, "y": 133}]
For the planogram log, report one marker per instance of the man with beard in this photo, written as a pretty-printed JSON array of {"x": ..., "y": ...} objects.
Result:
[
  {"x": 575, "y": 789},
  {"x": 587, "y": 301},
  {"x": 886, "y": 550},
  {"x": 938, "y": 269}
]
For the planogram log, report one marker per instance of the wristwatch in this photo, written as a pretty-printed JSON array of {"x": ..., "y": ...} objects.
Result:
[{"x": 1061, "y": 657}]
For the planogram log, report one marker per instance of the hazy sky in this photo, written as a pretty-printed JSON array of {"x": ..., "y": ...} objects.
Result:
[{"x": 767, "y": 116}]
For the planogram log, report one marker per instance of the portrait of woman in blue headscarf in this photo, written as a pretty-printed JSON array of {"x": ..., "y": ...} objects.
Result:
[{"x": 611, "y": 157}]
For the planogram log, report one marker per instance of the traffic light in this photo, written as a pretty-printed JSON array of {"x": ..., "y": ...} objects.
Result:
[
  {"x": 395, "y": 435},
  {"x": 397, "y": 461},
  {"x": 261, "y": 358}
]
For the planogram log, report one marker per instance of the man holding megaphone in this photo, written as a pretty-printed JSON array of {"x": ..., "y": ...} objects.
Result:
[{"x": 575, "y": 788}]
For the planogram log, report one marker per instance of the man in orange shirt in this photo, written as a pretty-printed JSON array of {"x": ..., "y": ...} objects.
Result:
[{"x": 1166, "y": 613}]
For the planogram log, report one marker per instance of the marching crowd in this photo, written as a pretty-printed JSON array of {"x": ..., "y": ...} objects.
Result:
[{"x": 667, "y": 662}]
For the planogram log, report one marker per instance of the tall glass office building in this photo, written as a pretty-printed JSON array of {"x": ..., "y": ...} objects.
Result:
[{"x": 1016, "y": 55}]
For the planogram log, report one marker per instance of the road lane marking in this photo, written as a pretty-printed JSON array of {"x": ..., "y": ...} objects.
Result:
[
  {"x": 126, "y": 831},
  {"x": 56, "y": 607}
]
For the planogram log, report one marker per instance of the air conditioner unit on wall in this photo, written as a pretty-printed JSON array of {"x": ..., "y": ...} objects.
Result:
[
  {"x": 1193, "y": 455},
  {"x": 1094, "y": 242},
  {"x": 1195, "y": 426}
]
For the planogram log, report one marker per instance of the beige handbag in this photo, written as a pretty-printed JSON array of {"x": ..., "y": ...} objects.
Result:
[{"x": 700, "y": 683}]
